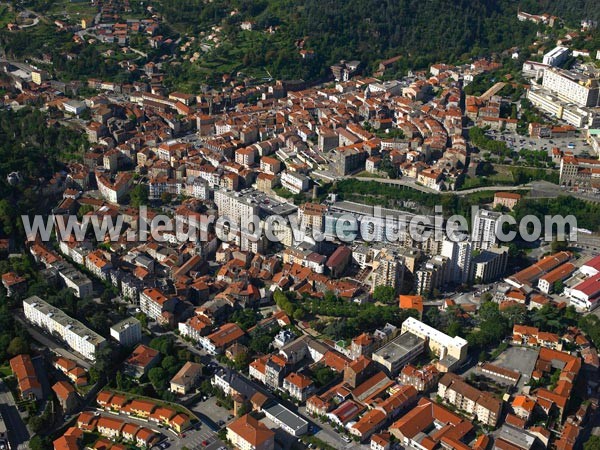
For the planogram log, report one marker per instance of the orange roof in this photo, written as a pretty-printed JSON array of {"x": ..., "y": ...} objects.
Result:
[
  {"x": 411, "y": 302},
  {"x": 142, "y": 356},
  {"x": 299, "y": 380},
  {"x": 251, "y": 430},
  {"x": 110, "y": 423},
  {"x": 62, "y": 389},
  {"x": 371, "y": 420}
]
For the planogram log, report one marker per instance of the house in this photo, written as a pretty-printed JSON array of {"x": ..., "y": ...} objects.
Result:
[
  {"x": 110, "y": 427},
  {"x": 141, "y": 360},
  {"x": 180, "y": 422},
  {"x": 13, "y": 283},
  {"x": 140, "y": 408},
  {"x": 381, "y": 441},
  {"x": 186, "y": 379},
  {"x": 427, "y": 424},
  {"x": 66, "y": 395},
  {"x": 368, "y": 424},
  {"x": 247, "y": 433},
  {"x": 299, "y": 386},
  {"x": 215, "y": 343},
  {"x": 71, "y": 440},
  {"x": 27, "y": 380}
]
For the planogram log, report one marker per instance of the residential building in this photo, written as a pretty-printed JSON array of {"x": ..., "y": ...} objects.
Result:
[
  {"x": 247, "y": 433},
  {"x": 222, "y": 338},
  {"x": 66, "y": 395},
  {"x": 153, "y": 303},
  {"x": 490, "y": 264},
  {"x": 485, "y": 224},
  {"x": 399, "y": 352},
  {"x": 298, "y": 385},
  {"x": 481, "y": 405},
  {"x": 459, "y": 260},
  {"x": 186, "y": 378},
  {"x": 128, "y": 332},
  {"x": 141, "y": 360},
  {"x": 450, "y": 350},
  {"x": 506, "y": 199},
  {"x": 76, "y": 335},
  {"x": 422, "y": 379},
  {"x": 27, "y": 379}
]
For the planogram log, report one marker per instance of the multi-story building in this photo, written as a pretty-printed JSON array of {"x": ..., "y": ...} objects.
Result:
[
  {"x": 556, "y": 56},
  {"x": 128, "y": 332},
  {"x": 490, "y": 264},
  {"x": 75, "y": 280},
  {"x": 481, "y": 405},
  {"x": 187, "y": 377},
  {"x": 299, "y": 386},
  {"x": 153, "y": 303},
  {"x": 399, "y": 352},
  {"x": 450, "y": 350},
  {"x": 459, "y": 258},
  {"x": 433, "y": 274},
  {"x": 572, "y": 87},
  {"x": 484, "y": 234},
  {"x": 76, "y": 335},
  {"x": 270, "y": 165},
  {"x": 547, "y": 282},
  {"x": 388, "y": 270},
  {"x": 217, "y": 342},
  {"x": 295, "y": 182},
  {"x": 422, "y": 379},
  {"x": 27, "y": 379},
  {"x": 247, "y": 433}
]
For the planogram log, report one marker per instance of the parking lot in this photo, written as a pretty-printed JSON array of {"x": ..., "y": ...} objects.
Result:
[
  {"x": 515, "y": 141},
  {"x": 208, "y": 411},
  {"x": 520, "y": 359}
]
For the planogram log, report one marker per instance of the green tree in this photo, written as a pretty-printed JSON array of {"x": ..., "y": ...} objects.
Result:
[
  {"x": 384, "y": 294},
  {"x": 139, "y": 195},
  {"x": 17, "y": 346},
  {"x": 159, "y": 378},
  {"x": 593, "y": 443}
]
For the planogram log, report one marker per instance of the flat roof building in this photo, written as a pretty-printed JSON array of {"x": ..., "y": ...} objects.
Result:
[
  {"x": 450, "y": 350},
  {"x": 399, "y": 352},
  {"x": 75, "y": 334}
]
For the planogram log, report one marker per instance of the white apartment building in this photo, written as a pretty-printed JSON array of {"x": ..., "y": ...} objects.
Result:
[
  {"x": 556, "y": 56},
  {"x": 235, "y": 206},
  {"x": 572, "y": 87},
  {"x": 485, "y": 224},
  {"x": 295, "y": 182},
  {"x": 439, "y": 343},
  {"x": 153, "y": 303},
  {"x": 128, "y": 332},
  {"x": 459, "y": 260},
  {"x": 76, "y": 335}
]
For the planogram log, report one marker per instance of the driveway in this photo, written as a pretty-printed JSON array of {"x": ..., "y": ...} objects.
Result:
[{"x": 18, "y": 435}]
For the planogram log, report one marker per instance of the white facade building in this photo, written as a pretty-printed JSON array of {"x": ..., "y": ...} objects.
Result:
[
  {"x": 128, "y": 332},
  {"x": 76, "y": 335}
]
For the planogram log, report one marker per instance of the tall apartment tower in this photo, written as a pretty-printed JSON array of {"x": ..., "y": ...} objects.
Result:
[
  {"x": 459, "y": 265},
  {"x": 484, "y": 229}
]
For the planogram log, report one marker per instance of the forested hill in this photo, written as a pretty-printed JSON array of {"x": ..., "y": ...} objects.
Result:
[{"x": 369, "y": 30}]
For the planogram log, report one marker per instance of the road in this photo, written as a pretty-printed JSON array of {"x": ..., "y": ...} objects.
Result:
[
  {"x": 17, "y": 431},
  {"x": 411, "y": 183},
  {"x": 51, "y": 344}
]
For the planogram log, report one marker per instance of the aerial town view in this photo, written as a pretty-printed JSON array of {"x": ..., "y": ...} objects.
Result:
[{"x": 290, "y": 225}]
